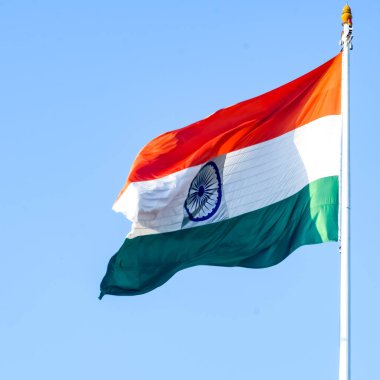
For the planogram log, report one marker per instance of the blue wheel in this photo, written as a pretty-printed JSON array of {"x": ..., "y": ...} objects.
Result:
[{"x": 205, "y": 193}]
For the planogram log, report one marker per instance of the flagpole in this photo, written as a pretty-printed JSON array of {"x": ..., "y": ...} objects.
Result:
[{"x": 344, "y": 347}]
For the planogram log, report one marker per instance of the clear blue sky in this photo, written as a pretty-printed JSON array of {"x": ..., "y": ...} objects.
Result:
[{"x": 83, "y": 86}]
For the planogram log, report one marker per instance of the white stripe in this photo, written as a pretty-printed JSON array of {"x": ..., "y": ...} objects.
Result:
[{"x": 253, "y": 177}]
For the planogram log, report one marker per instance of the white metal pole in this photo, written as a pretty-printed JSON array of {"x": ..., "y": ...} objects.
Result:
[{"x": 344, "y": 348}]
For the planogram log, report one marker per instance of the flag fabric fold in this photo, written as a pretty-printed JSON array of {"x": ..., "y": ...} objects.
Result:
[{"x": 244, "y": 187}]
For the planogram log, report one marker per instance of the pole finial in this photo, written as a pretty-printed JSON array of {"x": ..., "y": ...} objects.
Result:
[
  {"x": 346, "y": 38},
  {"x": 346, "y": 15}
]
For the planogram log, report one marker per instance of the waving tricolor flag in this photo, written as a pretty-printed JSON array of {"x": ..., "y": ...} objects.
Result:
[{"x": 244, "y": 187}]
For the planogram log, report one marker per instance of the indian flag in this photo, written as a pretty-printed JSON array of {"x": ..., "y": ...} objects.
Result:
[{"x": 244, "y": 187}]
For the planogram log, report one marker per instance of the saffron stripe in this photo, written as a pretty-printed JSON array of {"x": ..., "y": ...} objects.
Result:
[{"x": 312, "y": 96}]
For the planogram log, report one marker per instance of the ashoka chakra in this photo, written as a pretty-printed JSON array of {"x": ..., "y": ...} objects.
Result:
[{"x": 205, "y": 193}]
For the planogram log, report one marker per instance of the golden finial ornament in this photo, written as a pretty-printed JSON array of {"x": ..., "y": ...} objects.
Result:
[{"x": 347, "y": 15}]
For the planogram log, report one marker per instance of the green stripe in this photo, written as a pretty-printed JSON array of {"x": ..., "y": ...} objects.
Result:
[{"x": 257, "y": 239}]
